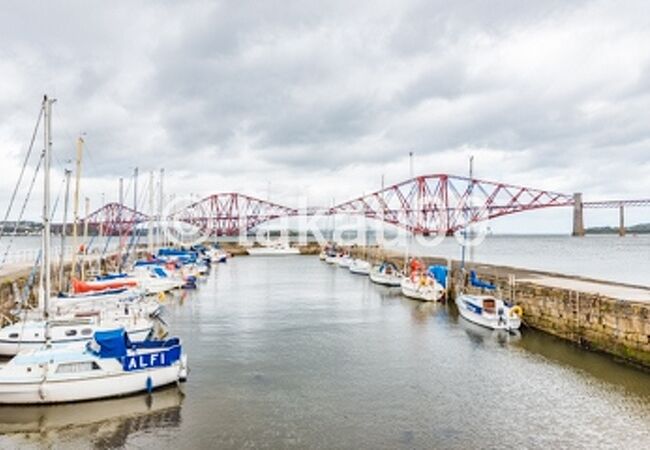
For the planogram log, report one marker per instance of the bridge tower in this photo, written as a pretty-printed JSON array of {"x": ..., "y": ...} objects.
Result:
[
  {"x": 578, "y": 219},
  {"x": 621, "y": 220}
]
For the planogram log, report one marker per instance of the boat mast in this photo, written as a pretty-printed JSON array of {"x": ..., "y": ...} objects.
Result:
[
  {"x": 160, "y": 208},
  {"x": 75, "y": 207},
  {"x": 469, "y": 196},
  {"x": 134, "y": 227},
  {"x": 151, "y": 213},
  {"x": 47, "y": 161},
  {"x": 64, "y": 229},
  {"x": 84, "y": 255},
  {"x": 408, "y": 235}
]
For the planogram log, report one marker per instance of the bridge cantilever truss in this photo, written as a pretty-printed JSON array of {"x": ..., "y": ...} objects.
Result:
[
  {"x": 430, "y": 204},
  {"x": 229, "y": 214},
  {"x": 443, "y": 204},
  {"x": 115, "y": 219}
]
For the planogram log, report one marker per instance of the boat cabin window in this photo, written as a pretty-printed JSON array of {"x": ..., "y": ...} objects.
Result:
[
  {"x": 70, "y": 333},
  {"x": 76, "y": 367},
  {"x": 86, "y": 332},
  {"x": 13, "y": 336},
  {"x": 489, "y": 305}
]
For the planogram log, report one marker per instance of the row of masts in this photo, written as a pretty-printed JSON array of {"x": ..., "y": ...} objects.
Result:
[{"x": 78, "y": 257}]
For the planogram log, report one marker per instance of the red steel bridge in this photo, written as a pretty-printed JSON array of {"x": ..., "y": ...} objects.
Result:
[{"x": 429, "y": 204}]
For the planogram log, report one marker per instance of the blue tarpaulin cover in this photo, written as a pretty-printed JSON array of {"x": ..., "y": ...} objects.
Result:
[
  {"x": 160, "y": 272},
  {"x": 439, "y": 273},
  {"x": 112, "y": 343},
  {"x": 476, "y": 282}
]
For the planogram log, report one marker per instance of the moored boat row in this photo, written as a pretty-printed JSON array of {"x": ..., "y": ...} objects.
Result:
[{"x": 429, "y": 285}]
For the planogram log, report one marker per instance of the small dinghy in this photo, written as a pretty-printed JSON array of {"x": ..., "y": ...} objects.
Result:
[
  {"x": 360, "y": 267},
  {"x": 487, "y": 310},
  {"x": 109, "y": 366},
  {"x": 386, "y": 274}
]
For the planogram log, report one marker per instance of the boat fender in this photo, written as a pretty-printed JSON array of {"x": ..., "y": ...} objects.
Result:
[
  {"x": 149, "y": 385},
  {"x": 516, "y": 311}
]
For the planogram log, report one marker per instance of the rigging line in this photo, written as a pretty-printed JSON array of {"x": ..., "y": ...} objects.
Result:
[
  {"x": 24, "y": 206},
  {"x": 135, "y": 235},
  {"x": 32, "y": 274},
  {"x": 22, "y": 172}
]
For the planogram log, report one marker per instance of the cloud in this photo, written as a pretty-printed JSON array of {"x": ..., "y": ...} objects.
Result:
[{"x": 231, "y": 95}]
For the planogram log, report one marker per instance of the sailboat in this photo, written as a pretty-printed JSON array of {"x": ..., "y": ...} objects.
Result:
[
  {"x": 360, "y": 266},
  {"x": 110, "y": 366},
  {"x": 420, "y": 285},
  {"x": 488, "y": 310},
  {"x": 386, "y": 274},
  {"x": 344, "y": 260},
  {"x": 485, "y": 310},
  {"x": 274, "y": 249}
]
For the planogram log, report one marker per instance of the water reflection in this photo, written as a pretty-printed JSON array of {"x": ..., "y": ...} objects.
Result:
[
  {"x": 624, "y": 377},
  {"x": 107, "y": 423},
  {"x": 480, "y": 336}
]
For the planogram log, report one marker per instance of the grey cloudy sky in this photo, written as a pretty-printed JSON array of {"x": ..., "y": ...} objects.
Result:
[{"x": 321, "y": 98}]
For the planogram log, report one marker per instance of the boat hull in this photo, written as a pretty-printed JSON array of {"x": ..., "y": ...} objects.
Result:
[
  {"x": 469, "y": 310},
  {"x": 427, "y": 293},
  {"x": 261, "y": 251},
  {"x": 360, "y": 267},
  {"x": 344, "y": 262},
  {"x": 74, "y": 390},
  {"x": 384, "y": 279}
]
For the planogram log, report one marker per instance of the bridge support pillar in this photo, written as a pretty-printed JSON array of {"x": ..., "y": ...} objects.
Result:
[
  {"x": 578, "y": 218},
  {"x": 621, "y": 220}
]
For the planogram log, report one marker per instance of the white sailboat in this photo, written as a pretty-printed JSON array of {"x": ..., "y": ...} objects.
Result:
[
  {"x": 485, "y": 310},
  {"x": 422, "y": 287},
  {"x": 360, "y": 267},
  {"x": 386, "y": 274},
  {"x": 344, "y": 260},
  {"x": 275, "y": 249},
  {"x": 112, "y": 366},
  {"x": 488, "y": 310}
]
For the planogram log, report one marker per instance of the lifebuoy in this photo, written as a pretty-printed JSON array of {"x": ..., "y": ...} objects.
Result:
[{"x": 516, "y": 311}]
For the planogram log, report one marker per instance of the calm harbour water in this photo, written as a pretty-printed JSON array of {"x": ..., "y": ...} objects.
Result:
[{"x": 293, "y": 353}]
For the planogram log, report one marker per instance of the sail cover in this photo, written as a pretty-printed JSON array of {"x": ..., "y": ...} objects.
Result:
[{"x": 112, "y": 343}]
